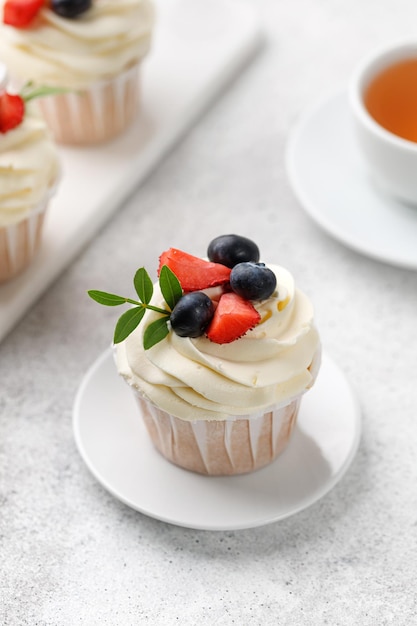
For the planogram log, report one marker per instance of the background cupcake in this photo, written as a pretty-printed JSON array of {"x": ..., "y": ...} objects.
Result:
[
  {"x": 91, "y": 47},
  {"x": 29, "y": 171},
  {"x": 219, "y": 385}
]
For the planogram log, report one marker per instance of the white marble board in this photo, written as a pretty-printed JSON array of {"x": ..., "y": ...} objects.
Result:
[{"x": 199, "y": 47}]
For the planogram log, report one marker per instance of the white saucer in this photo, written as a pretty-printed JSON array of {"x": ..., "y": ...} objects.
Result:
[
  {"x": 330, "y": 179},
  {"x": 115, "y": 447}
]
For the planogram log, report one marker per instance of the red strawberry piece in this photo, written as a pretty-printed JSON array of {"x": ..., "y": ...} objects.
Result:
[
  {"x": 192, "y": 272},
  {"x": 12, "y": 109},
  {"x": 232, "y": 318},
  {"x": 20, "y": 13}
]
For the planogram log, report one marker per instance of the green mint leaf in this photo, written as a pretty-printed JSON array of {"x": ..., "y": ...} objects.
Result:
[
  {"x": 143, "y": 285},
  {"x": 30, "y": 91},
  {"x": 170, "y": 286},
  {"x": 155, "y": 332},
  {"x": 127, "y": 323},
  {"x": 108, "y": 299}
]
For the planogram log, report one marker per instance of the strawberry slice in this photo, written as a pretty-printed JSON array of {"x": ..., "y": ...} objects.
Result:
[
  {"x": 20, "y": 13},
  {"x": 232, "y": 318},
  {"x": 192, "y": 272},
  {"x": 12, "y": 109}
]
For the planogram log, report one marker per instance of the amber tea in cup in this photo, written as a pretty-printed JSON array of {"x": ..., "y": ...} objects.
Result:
[
  {"x": 391, "y": 99},
  {"x": 383, "y": 102}
]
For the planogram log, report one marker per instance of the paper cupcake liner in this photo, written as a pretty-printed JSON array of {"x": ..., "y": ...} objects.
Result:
[
  {"x": 19, "y": 243},
  {"x": 96, "y": 114},
  {"x": 220, "y": 447}
]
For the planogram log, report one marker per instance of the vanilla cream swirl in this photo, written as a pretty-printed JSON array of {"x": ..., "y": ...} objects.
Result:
[
  {"x": 29, "y": 168},
  {"x": 99, "y": 44},
  {"x": 196, "y": 379}
]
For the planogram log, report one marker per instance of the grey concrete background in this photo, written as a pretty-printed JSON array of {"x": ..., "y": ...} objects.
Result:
[{"x": 71, "y": 553}]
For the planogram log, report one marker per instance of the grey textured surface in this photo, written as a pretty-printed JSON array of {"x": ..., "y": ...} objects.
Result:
[{"x": 71, "y": 553}]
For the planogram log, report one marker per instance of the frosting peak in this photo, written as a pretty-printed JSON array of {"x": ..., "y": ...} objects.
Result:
[
  {"x": 29, "y": 167},
  {"x": 101, "y": 43},
  {"x": 196, "y": 379}
]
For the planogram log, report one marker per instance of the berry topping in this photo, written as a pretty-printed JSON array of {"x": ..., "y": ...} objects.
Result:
[
  {"x": 193, "y": 273},
  {"x": 232, "y": 249},
  {"x": 222, "y": 311},
  {"x": 232, "y": 318},
  {"x": 12, "y": 106},
  {"x": 20, "y": 13},
  {"x": 192, "y": 314},
  {"x": 70, "y": 8},
  {"x": 253, "y": 281},
  {"x": 12, "y": 109}
]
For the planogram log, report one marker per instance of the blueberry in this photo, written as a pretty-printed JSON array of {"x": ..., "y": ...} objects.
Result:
[
  {"x": 70, "y": 8},
  {"x": 232, "y": 249},
  {"x": 192, "y": 314},
  {"x": 253, "y": 281}
]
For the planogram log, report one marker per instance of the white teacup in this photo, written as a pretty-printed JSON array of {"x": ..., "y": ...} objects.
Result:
[{"x": 392, "y": 160}]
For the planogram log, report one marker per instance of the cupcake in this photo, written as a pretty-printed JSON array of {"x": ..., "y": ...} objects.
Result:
[
  {"x": 92, "y": 48},
  {"x": 218, "y": 354},
  {"x": 29, "y": 171}
]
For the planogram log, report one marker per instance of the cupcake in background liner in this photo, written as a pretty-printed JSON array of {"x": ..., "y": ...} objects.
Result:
[
  {"x": 224, "y": 402},
  {"x": 94, "y": 51},
  {"x": 29, "y": 175}
]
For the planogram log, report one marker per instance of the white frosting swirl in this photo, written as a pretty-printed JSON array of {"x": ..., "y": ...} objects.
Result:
[
  {"x": 99, "y": 44},
  {"x": 196, "y": 379},
  {"x": 29, "y": 167}
]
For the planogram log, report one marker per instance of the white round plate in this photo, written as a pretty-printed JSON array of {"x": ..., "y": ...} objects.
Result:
[
  {"x": 330, "y": 179},
  {"x": 114, "y": 444}
]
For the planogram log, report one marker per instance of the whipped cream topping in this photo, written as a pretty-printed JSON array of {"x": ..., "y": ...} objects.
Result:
[
  {"x": 29, "y": 167},
  {"x": 196, "y": 379},
  {"x": 99, "y": 44}
]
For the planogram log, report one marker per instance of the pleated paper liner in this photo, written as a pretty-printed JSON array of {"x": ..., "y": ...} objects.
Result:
[{"x": 96, "y": 114}]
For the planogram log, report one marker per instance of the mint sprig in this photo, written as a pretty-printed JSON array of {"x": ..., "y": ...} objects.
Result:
[
  {"x": 30, "y": 91},
  {"x": 157, "y": 330},
  {"x": 170, "y": 286}
]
